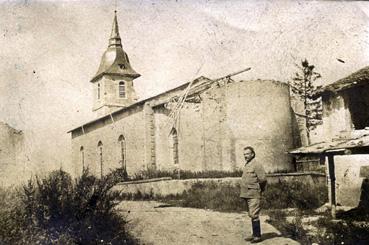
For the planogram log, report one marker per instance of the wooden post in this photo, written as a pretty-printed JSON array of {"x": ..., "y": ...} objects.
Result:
[{"x": 332, "y": 185}]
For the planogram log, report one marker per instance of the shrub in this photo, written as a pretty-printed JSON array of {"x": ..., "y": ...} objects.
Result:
[
  {"x": 293, "y": 229},
  {"x": 342, "y": 232},
  {"x": 56, "y": 209},
  {"x": 12, "y": 216},
  {"x": 327, "y": 231},
  {"x": 294, "y": 194}
]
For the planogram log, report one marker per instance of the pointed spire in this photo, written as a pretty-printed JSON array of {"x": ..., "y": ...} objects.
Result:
[
  {"x": 114, "y": 37},
  {"x": 115, "y": 60}
]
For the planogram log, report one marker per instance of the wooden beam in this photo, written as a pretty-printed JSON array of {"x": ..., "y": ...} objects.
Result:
[{"x": 331, "y": 185}]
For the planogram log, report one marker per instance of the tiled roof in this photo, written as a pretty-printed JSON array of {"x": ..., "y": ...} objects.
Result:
[
  {"x": 355, "y": 79},
  {"x": 333, "y": 145}
]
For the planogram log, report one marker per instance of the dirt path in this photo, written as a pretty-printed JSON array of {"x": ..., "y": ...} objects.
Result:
[{"x": 153, "y": 224}]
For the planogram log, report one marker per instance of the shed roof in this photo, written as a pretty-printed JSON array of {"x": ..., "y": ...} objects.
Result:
[
  {"x": 355, "y": 79},
  {"x": 333, "y": 145}
]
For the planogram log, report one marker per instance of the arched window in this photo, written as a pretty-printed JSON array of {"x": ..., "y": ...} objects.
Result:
[
  {"x": 98, "y": 91},
  {"x": 82, "y": 157},
  {"x": 122, "y": 89},
  {"x": 122, "y": 151},
  {"x": 174, "y": 145},
  {"x": 100, "y": 156}
]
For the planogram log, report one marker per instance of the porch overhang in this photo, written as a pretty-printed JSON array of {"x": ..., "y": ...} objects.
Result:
[{"x": 334, "y": 146}]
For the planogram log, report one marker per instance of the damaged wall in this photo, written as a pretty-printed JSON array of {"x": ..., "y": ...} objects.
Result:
[
  {"x": 348, "y": 180},
  {"x": 211, "y": 131},
  {"x": 336, "y": 116},
  {"x": 338, "y": 123},
  {"x": 12, "y": 164}
]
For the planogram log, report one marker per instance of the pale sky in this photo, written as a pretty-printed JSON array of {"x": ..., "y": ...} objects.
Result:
[{"x": 51, "y": 49}]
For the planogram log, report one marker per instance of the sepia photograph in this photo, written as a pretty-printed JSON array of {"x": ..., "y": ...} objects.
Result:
[{"x": 204, "y": 122}]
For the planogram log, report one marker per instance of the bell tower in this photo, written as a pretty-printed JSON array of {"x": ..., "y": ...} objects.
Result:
[{"x": 113, "y": 83}]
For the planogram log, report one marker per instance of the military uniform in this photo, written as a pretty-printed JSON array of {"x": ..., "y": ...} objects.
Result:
[
  {"x": 253, "y": 180},
  {"x": 253, "y": 183}
]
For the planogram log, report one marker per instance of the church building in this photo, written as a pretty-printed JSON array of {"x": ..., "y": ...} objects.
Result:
[{"x": 200, "y": 125}]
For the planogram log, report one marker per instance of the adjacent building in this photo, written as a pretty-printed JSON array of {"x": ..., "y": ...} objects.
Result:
[{"x": 346, "y": 135}]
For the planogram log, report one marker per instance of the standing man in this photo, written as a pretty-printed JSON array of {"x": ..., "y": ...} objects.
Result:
[{"x": 253, "y": 184}]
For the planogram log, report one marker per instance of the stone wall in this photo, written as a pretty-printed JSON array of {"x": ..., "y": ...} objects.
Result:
[
  {"x": 12, "y": 164},
  {"x": 211, "y": 132},
  {"x": 190, "y": 139},
  {"x": 337, "y": 123},
  {"x": 165, "y": 186},
  {"x": 259, "y": 114},
  {"x": 336, "y": 116},
  {"x": 130, "y": 124},
  {"x": 348, "y": 180}
]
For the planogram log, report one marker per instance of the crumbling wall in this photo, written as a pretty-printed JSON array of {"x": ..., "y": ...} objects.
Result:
[
  {"x": 212, "y": 129},
  {"x": 12, "y": 165},
  {"x": 348, "y": 180},
  {"x": 336, "y": 116},
  {"x": 226, "y": 118},
  {"x": 190, "y": 138},
  {"x": 213, "y": 116}
]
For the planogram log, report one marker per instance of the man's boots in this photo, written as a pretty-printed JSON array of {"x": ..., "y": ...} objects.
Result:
[{"x": 256, "y": 232}]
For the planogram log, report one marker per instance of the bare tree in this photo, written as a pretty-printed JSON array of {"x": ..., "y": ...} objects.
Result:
[{"x": 303, "y": 90}]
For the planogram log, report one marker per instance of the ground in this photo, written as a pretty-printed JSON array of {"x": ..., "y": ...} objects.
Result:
[{"x": 155, "y": 223}]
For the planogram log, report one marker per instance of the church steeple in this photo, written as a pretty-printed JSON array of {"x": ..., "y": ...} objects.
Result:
[
  {"x": 113, "y": 82},
  {"x": 114, "y": 36},
  {"x": 115, "y": 60}
]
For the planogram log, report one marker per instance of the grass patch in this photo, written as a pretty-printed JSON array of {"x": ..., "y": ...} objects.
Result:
[
  {"x": 59, "y": 210},
  {"x": 212, "y": 195},
  {"x": 293, "y": 228},
  {"x": 346, "y": 231},
  {"x": 225, "y": 196},
  {"x": 184, "y": 174},
  {"x": 294, "y": 194},
  {"x": 325, "y": 230}
]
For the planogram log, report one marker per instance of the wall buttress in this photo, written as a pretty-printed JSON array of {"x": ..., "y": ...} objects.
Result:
[{"x": 149, "y": 137}]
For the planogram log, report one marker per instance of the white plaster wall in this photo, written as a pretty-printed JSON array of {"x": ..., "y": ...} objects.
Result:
[
  {"x": 212, "y": 118},
  {"x": 12, "y": 159},
  {"x": 259, "y": 115},
  {"x": 190, "y": 140},
  {"x": 132, "y": 126},
  {"x": 348, "y": 181},
  {"x": 336, "y": 116},
  {"x": 112, "y": 90},
  {"x": 211, "y": 134}
]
